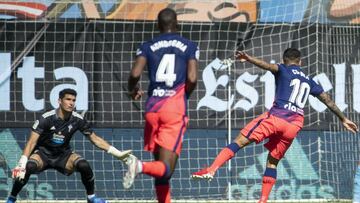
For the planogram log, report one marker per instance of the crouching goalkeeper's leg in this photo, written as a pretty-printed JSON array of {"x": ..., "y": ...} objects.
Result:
[
  {"x": 87, "y": 178},
  {"x": 31, "y": 168}
]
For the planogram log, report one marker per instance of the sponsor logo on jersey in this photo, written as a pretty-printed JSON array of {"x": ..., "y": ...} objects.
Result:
[
  {"x": 163, "y": 92},
  {"x": 293, "y": 108},
  {"x": 58, "y": 138}
]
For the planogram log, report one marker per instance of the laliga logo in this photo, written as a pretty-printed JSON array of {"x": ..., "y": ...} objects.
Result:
[{"x": 28, "y": 73}]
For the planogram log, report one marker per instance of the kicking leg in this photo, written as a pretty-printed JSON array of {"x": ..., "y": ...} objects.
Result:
[
  {"x": 161, "y": 169},
  {"x": 225, "y": 154},
  {"x": 269, "y": 178},
  {"x": 163, "y": 166},
  {"x": 170, "y": 135}
]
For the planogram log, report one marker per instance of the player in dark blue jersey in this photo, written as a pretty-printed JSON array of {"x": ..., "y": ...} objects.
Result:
[
  {"x": 172, "y": 63},
  {"x": 282, "y": 122},
  {"x": 49, "y": 147}
]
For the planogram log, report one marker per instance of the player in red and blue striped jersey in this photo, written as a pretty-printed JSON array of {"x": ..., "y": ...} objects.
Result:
[
  {"x": 172, "y": 63},
  {"x": 281, "y": 124}
]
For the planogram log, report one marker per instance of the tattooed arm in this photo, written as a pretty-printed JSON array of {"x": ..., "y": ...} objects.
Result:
[
  {"x": 242, "y": 56},
  {"x": 349, "y": 125},
  {"x": 325, "y": 98}
]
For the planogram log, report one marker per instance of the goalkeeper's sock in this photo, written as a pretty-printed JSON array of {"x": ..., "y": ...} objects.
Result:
[
  {"x": 163, "y": 193},
  {"x": 87, "y": 175},
  {"x": 91, "y": 196},
  {"x": 356, "y": 198},
  {"x": 268, "y": 182},
  {"x": 157, "y": 169},
  {"x": 17, "y": 186},
  {"x": 225, "y": 154}
]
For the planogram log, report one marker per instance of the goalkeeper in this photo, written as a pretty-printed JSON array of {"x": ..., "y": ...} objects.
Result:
[
  {"x": 281, "y": 124},
  {"x": 48, "y": 147}
]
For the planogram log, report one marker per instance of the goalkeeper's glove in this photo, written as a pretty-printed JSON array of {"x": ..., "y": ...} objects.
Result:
[
  {"x": 121, "y": 155},
  {"x": 19, "y": 171}
]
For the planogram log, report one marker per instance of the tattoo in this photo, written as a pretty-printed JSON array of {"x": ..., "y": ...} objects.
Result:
[
  {"x": 325, "y": 98},
  {"x": 262, "y": 64}
]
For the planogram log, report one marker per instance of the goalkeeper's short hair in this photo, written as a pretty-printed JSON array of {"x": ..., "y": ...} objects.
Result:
[{"x": 63, "y": 92}]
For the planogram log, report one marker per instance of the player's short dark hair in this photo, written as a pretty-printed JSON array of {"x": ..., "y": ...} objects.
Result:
[
  {"x": 167, "y": 19},
  {"x": 291, "y": 54},
  {"x": 63, "y": 92}
]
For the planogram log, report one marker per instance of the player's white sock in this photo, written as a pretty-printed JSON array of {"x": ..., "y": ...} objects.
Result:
[
  {"x": 91, "y": 196},
  {"x": 139, "y": 166}
]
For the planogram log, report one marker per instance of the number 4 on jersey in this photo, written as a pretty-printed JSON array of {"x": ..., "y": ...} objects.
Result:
[{"x": 165, "y": 72}]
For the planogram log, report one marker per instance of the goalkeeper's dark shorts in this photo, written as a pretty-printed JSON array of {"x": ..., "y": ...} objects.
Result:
[{"x": 53, "y": 160}]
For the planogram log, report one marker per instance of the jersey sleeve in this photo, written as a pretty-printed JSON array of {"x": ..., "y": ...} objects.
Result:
[
  {"x": 85, "y": 127},
  {"x": 141, "y": 51},
  {"x": 194, "y": 52},
  {"x": 316, "y": 89},
  {"x": 39, "y": 125},
  {"x": 281, "y": 69}
]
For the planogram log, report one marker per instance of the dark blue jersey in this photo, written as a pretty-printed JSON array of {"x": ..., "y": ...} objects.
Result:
[
  {"x": 293, "y": 88},
  {"x": 167, "y": 58}
]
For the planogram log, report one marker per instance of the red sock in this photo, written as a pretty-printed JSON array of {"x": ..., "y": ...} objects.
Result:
[
  {"x": 267, "y": 184},
  {"x": 163, "y": 193},
  {"x": 224, "y": 155},
  {"x": 155, "y": 169}
]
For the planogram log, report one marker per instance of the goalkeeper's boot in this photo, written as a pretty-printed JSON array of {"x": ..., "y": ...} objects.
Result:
[
  {"x": 96, "y": 200},
  {"x": 11, "y": 199},
  {"x": 205, "y": 173},
  {"x": 132, "y": 163}
]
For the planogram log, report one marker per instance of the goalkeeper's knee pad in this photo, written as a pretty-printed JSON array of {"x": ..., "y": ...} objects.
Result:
[
  {"x": 87, "y": 175},
  {"x": 31, "y": 167},
  {"x": 85, "y": 170}
]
